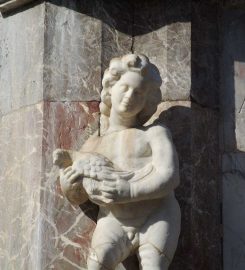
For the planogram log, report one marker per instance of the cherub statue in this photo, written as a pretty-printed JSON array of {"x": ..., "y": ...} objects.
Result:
[{"x": 130, "y": 171}]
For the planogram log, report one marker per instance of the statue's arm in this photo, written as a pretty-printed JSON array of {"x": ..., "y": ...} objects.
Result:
[
  {"x": 71, "y": 180},
  {"x": 164, "y": 175}
]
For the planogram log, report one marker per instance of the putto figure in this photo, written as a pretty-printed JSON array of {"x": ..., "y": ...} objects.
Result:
[{"x": 130, "y": 171}]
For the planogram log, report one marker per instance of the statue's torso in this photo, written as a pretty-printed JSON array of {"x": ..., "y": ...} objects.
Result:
[{"x": 129, "y": 150}]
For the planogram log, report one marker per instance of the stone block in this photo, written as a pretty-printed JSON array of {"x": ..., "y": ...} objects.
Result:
[
  {"x": 176, "y": 115},
  {"x": 233, "y": 210},
  {"x": 233, "y": 4},
  {"x": 68, "y": 229},
  {"x": 20, "y": 179},
  {"x": 167, "y": 43},
  {"x": 178, "y": 82},
  {"x": 195, "y": 133},
  {"x": 117, "y": 20},
  {"x": 232, "y": 94},
  {"x": 9, "y": 5},
  {"x": 72, "y": 58},
  {"x": 205, "y": 53},
  {"x": 205, "y": 189},
  {"x": 21, "y": 59},
  {"x": 114, "y": 44},
  {"x": 239, "y": 68},
  {"x": 46, "y": 231}
]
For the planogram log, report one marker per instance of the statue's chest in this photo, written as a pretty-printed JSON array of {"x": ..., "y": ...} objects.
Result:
[{"x": 127, "y": 149}]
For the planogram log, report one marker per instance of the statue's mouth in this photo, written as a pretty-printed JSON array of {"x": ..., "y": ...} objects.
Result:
[{"x": 127, "y": 103}]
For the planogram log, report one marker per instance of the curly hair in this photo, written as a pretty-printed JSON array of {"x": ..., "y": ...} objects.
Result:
[{"x": 134, "y": 63}]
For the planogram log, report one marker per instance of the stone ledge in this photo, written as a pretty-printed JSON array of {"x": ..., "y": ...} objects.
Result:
[{"x": 8, "y": 5}]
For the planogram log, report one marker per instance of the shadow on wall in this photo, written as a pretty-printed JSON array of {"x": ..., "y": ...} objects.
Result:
[
  {"x": 124, "y": 15},
  {"x": 159, "y": 13},
  {"x": 232, "y": 96},
  {"x": 205, "y": 213}
]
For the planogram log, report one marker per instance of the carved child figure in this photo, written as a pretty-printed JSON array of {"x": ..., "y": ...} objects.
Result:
[{"x": 130, "y": 171}]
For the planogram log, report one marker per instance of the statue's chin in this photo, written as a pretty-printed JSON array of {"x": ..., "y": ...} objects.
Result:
[{"x": 128, "y": 111}]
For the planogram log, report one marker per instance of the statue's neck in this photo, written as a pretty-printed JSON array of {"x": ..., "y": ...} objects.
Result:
[{"x": 119, "y": 122}]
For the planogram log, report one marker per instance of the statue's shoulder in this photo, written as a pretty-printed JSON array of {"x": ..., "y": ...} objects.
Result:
[
  {"x": 156, "y": 130},
  {"x": 90, "y": 142}
]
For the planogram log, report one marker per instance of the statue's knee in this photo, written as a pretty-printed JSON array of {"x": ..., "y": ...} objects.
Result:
[
  {"x": 152, "y": 258},
  {"x": 94, "y": 265},
  {"x": 102, "y": 257}
]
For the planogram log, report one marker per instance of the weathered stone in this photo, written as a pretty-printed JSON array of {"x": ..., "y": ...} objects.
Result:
[
  {"x": 196, "y": 137},
  {"x": 233, "y": 210},
  {"x": 176, "y": 115},
  {"x": 166, "y": 42},
  {"x": 114, "y": 44},
  {"x": 42, "y": 225},
  {"x": 21, "y": 59},
  {"x": 232, "y": 95},
  {"x": 8, "y": 5},
  {"x": 72, "y": 58},
  {"x": 117, "y": 20},
  {"x": 239, "y": 81},
  {"x": 205, "y": 53},
  {"x": 69, "y": 230},
  {"x": 205, "y": 199},
  {"x": 20, "y": 179},
  {"x": 178, "y": 82},
  {"x": 233, "y": 4}
]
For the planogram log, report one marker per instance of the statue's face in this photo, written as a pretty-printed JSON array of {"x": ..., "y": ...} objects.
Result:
[{"x": 128, "y": 95}]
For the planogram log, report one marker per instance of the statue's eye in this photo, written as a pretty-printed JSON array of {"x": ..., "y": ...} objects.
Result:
[{"x": 138, "y": 91}]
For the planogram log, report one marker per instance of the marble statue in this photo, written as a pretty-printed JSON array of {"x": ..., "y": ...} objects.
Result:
[{"x": 130, "y": 171}]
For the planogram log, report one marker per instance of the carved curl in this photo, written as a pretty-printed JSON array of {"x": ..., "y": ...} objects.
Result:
[{"x": 118, "y": 67}]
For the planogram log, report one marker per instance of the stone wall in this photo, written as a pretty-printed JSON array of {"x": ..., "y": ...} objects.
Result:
[
  {"x": 53, "y": 55},
  {"x": 21, "y": 132},
  {"x": 232, "y": 123}
]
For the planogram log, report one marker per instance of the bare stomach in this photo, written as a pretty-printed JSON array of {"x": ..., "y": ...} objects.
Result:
[{"x": 135, "y": 214}]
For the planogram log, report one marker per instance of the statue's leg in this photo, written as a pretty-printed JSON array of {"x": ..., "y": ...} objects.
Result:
[
  {"x": 110, "y": 245},
  {"x": 151, "y": 258},
  {"x": 159, "y": 237},
  {"x": 95, "y": 265}
]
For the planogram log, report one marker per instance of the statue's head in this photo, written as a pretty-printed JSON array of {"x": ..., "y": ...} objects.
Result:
[{"x": 131, "y": 86}]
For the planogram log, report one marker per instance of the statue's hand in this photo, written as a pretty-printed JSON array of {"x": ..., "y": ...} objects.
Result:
[
  {"x": 71, "y": 185},
  {"x": 109, "y": 189},
  {"x": 117, "y": 190},
  {"x": 93, "y": 188},
  {"x": 68, "y": 176}
]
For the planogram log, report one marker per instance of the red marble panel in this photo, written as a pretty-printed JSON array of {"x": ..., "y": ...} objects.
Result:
[{"x": 66, "y": 230}]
